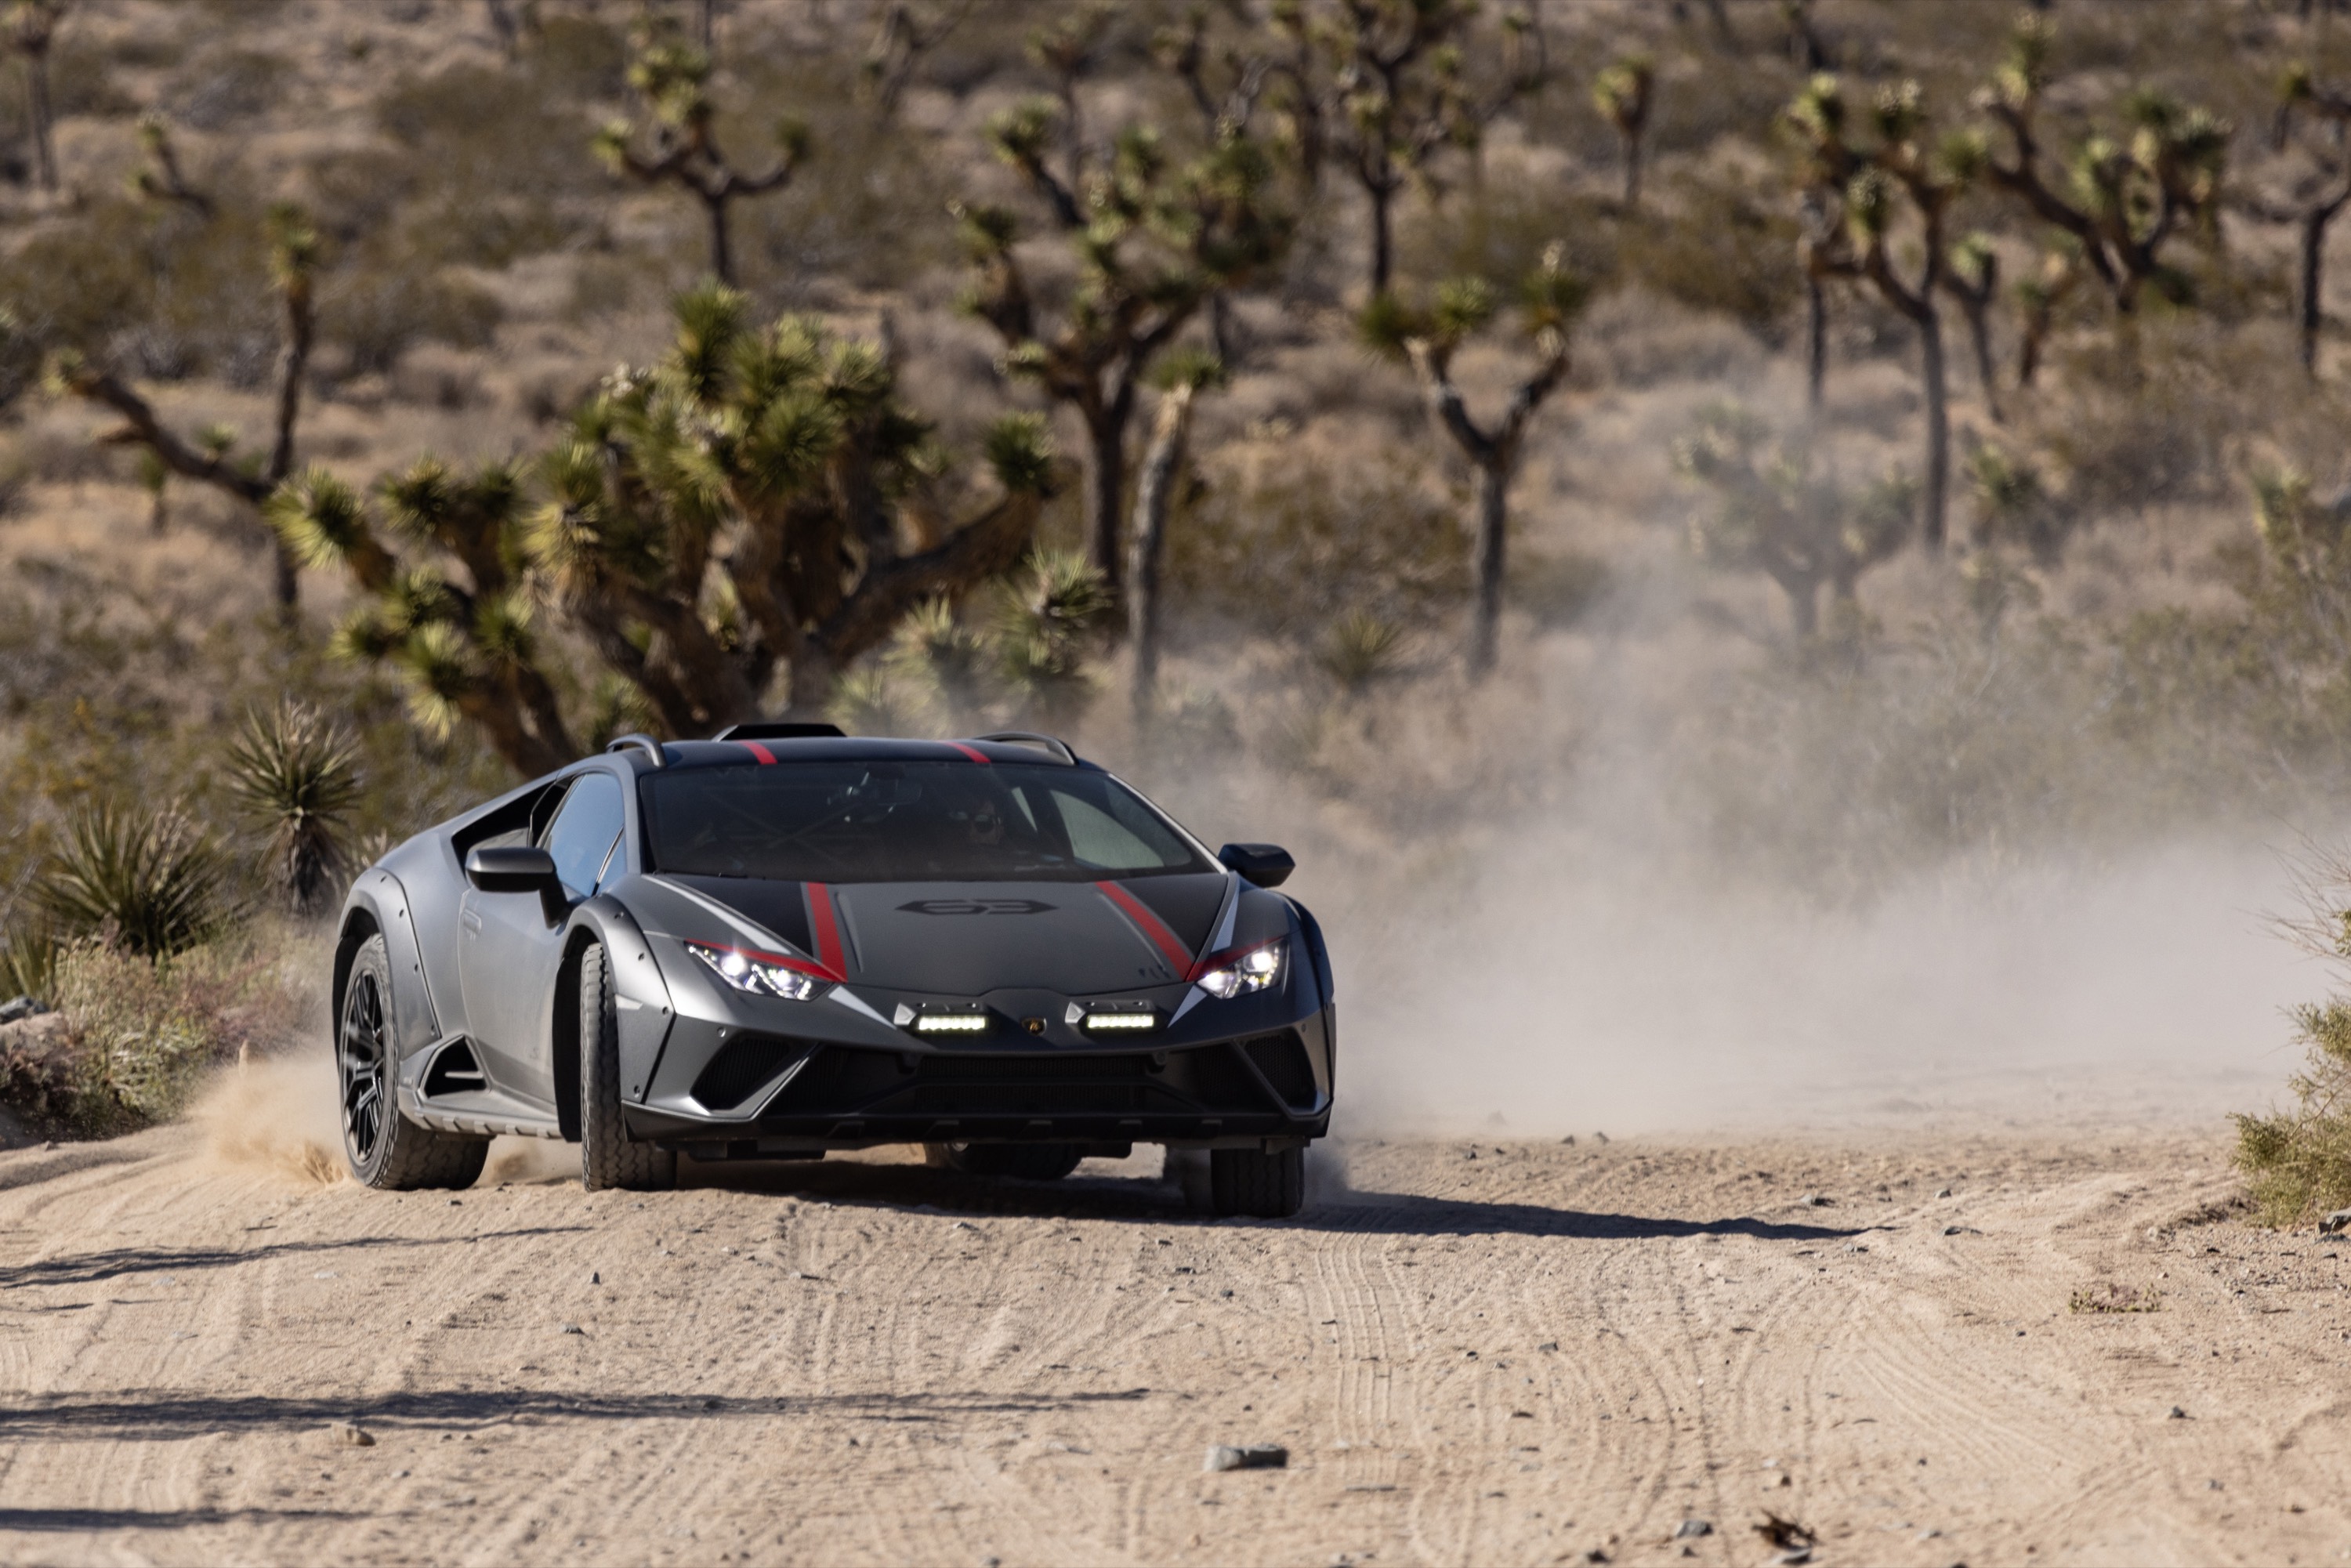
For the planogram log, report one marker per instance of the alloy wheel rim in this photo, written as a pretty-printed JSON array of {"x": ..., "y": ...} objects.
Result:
[{"x": 361, "y": 1055}]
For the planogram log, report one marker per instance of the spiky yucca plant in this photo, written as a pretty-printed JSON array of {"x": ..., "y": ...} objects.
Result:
[
  {"x": 1358, "y": 648},
  {"x": 296, "y": 774},
  {"x": 1046, "y": 620},
  {"x": 150, "y": 881}
]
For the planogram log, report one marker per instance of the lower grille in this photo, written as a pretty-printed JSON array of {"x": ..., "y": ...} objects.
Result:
[
  {"x": 1282, "y": 1059},
  {"x": 842, "y": 1082},
  {"x": 743, "y": 1066}
]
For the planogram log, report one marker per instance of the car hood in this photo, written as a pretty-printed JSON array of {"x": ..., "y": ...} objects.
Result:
[{"x": 965, "y": 938}]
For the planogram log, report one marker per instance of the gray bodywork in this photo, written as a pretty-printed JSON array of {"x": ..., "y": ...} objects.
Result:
[{"x": 488, "y": 981}]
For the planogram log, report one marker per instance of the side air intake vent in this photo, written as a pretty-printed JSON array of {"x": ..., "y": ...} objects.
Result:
[
  {"x": 744, "y": 1066},
  {"x": 454, "y": 1070},
  {"x": 1282, "y": 1059}
]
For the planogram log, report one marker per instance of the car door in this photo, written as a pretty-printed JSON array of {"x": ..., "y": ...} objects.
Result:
[{"x": 510, "y": 952}]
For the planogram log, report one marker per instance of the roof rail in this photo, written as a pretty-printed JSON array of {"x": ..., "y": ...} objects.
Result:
[
  {"x": 644, "y": 743},
  {"x": 1031, "y": 737},
  {"x": 779, "y": 729}
]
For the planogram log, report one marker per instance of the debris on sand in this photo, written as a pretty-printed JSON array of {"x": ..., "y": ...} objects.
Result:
[
  {"x": 2335, "y": 1222},
  {"x": 2177, "y": 1415},
  {"x": 1692, "y": 1529},
  {"x": 2112, "y": 1298},
  {"x": 348, "y": 1435},
  {"x": 1247, "y": 1456},
  {"x": 1787, "y": 1535},
  {"x": 1816, "y": 1200}
]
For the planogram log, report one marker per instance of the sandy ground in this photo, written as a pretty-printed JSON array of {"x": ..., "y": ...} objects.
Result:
[{"x": 1474, "y": 1353}]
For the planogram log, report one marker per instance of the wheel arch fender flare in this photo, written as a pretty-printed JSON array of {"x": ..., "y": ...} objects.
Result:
[
  {"x": 379, "y": 906},
  {"x": 642, "y": 999}
]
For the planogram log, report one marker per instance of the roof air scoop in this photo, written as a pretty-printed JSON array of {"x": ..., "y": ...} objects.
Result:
[{"x": 779, "y": 729}]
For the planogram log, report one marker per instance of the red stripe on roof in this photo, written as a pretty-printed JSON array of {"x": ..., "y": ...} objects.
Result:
[
  {"x": 973, "y": 752},
  {"x": 828, "y": 931},
  {"x": 1177, "y": 954},
  {"x": 758, "y": 750}
]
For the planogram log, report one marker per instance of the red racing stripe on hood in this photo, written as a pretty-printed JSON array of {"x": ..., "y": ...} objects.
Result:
[
  {"x": 1178, "y": 957},
  {"x": 827, "y": 928}
]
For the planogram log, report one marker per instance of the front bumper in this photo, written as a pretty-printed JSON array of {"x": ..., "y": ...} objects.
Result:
[
  {"x": 746, "y": 1077},
  {"x": 1232, "y": 1092}
]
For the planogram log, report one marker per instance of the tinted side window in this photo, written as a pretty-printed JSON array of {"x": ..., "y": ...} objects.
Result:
[{"x": 584, "y": 830}]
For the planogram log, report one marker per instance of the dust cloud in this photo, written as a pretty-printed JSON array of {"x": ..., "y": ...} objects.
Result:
[
  {"x": 274, "y": 1114},
  {"x": 1553, "y": 995}
]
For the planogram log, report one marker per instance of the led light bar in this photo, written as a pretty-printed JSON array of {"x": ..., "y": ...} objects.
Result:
[
  {"x": 951, "y": 1023},
  {"x": 1130, "y": 1023}
]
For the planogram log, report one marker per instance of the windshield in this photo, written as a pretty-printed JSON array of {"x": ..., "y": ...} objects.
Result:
[{"x": 906, "y": 821}]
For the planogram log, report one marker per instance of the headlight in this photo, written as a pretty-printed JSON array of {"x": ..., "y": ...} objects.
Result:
[
  {"x": 1248, "y": 969},
  {"x": 761, "y": 974}
]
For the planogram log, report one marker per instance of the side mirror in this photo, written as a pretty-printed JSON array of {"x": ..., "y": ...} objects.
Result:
[
  {"x": 1266, "y": 865},
  {"x": 519, "y": 870}
]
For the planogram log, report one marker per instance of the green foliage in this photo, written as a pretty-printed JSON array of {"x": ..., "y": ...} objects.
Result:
[
  {"x": 2014, "y": 507},
  {"x": 1775, "y": 511},
  {"x": 2298, "y": 1162},
  {"x": 294, "y": 771},
  {"x": 152, "y": 881},
  {"x": 1358, "y": 648},
  {"x": 1046, "y": 622}
]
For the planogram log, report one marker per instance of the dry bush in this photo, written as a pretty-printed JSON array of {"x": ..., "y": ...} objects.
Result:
[
  {"x": 1721, "y": 242},
  {"x": 140, "y": 1033},
  {"x": 224, "y": 86},
  {"x": 2298, "y": 1161},
  {"x": 1285, "y": 540}
]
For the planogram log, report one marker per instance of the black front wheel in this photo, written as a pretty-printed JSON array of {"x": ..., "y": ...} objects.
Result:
[
  {"x": 609, "y": 1157},
  {"x": 388, "y": 1151},
  {"x": 1263, "y": 1185}
]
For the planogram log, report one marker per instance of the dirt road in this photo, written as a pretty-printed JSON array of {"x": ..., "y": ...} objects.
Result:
[{"x": 1474, "y": 1354}]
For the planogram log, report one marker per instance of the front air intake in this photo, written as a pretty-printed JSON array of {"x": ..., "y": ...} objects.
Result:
[
  {"x": 745, "y": 1065},
  {"x": 1282, "y": 1059}
]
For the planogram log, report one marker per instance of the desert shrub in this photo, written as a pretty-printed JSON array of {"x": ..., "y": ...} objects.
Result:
[
  {"x": 1502, "y": 229},
  {"x": 1720, "y": 242},
  {"x": 1286, "y": 542},
  {"x": 152, "y": 881},
  {"x": 140, "y": 1032},
  {"x": 81, "y": 80},
  {"x": 580, "y": 58},
  {"x": 376, "y": 314},
  {"x": 502, "y": 153},
  {"x": 2298, "y": 1161},
  {"x": 222, "y": 86}
]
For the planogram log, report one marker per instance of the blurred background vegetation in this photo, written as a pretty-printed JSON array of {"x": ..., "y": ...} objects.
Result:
[{"x": 1840, "y": 437}]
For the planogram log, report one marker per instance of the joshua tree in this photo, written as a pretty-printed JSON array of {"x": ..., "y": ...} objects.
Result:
[
  {"x": 673, "y": 79},
  {"x": 1773, "y": 513},
  {"x": 295, "y": 772},
  {"x": 1552, "y": 299},
  {"x": 1153, "y": 239},
  {"x": 212, "y": 458},
  {"x": 1622, "y": 94},
  {"x": 1182, "y": 377},
  {"x": 161, "y": 180},
  {"x": 1972, "y": 281},
  {"x": 31, "y": 27},
  {"x": 1397, "y": 94},
  {"x": 2037, "y": 300},
  {"x": 2129, "y": 201},
  {"x": 1868, "y": 187},
  {"x": 2320, "y": 195},
  {"x": 901, "y": 40},
  {"x": 738, "y": 512}
]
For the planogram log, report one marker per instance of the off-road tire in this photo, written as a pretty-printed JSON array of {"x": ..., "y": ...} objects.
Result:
[
  {"x": 609, "y": 1157},
  {"x": 1265, "y": 1186},
  {"x": 386, "y": 1150},
  {"x": 1022, "y": 1161}
]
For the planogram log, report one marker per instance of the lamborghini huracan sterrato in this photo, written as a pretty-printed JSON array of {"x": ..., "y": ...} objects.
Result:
[{"x": 783, "y": 941}]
